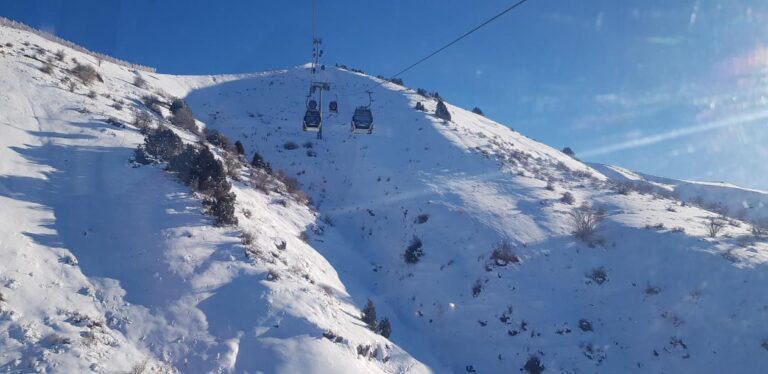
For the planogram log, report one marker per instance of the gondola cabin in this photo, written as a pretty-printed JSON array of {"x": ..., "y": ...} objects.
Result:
[{"x": 362, "y": 121}]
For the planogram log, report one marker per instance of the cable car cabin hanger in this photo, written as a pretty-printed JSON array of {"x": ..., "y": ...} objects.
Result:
[{"x": 312, "y": 117}]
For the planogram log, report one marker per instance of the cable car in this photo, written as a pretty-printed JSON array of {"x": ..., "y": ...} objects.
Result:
[
  {"x": 333, "y": 107},
  {"x": 312, "y": 119},
  {"x": 362, "y": 120}
]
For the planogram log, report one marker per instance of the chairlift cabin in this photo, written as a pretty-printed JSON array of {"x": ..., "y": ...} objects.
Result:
[
  {"x": 312, "y": 118},
  {"x": 362, "y": 120}
]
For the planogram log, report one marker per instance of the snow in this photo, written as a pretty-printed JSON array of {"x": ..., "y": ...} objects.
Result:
[{"x": 108, "y": 266}]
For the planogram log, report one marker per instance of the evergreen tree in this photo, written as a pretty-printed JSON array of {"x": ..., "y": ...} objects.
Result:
[
  {"x": 369, "y": 315},
  {"x": 259, "y": 163},
  {"x": 239, "y": 148},
  {"x": 479, "y": 111},
  {"x": 442, "y": 111},
  {"x": 385, "y": 328}
]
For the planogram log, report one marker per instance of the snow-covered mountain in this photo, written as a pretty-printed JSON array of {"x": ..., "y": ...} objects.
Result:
[{"x": 112, "y": 266}]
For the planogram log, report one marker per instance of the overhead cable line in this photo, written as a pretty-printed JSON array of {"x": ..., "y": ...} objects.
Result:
[{"x": 454, "y": 41}]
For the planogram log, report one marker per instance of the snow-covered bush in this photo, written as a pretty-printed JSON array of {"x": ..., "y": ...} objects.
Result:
[
  {"x": 584, "y": 220},
  {"x": 214, "y": 137},
  {"x": 139, "y": 82},
  {"x": 442, "y": 111},
  {"x": 163, "y": 144},
  {"x": 221, "y": 204},
  {"x": 414, "y": 252},
  {"x": 568, "y": 198}
]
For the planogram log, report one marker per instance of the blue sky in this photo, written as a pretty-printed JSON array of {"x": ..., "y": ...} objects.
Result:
[{"x": 673, "y": 88}]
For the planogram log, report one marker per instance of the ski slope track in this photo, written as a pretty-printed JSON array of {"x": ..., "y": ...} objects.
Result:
[{"x": 110, "y": 266}]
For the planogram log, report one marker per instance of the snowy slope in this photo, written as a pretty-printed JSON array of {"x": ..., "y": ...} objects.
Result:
[
  {"x": 743, "y": 203},
  {"x": 479, "y": 183},
  {"x": 110, "y": 268},
  {"x": 83, "y": 232}
]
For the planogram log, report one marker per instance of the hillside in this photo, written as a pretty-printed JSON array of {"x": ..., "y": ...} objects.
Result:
[{"x": 113, "y": 266}]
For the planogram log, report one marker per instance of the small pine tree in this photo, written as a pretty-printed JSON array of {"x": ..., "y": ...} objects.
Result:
[
  {"x": 369, "y": 315},
  {"x": 478, "y": 111},
  {"x": 239, "y": 148},
  {"x": 442, "y": 111},
  {"x": 385, "y": 328},
  {"x": 568, "y": 151},
  {"x": 420, "y": 107},
  {"x": 259, "y": 163}
]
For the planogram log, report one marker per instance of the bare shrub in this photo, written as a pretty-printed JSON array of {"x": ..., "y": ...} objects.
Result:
[
  {"x": 759, "y": 229},
  {"x": 714, "y": 225},
  {"x": 421, "y": 219},
  {"x": 261, "y": 180},
  {"x": 86, "y": 73},
  {"x": 142, "y": 121},
  {"x": 598, "y": 275},
  {"x": 584, "y": 220},
  {"x": 152, "y": 103},
  {"x": 92, "y": 94},
  {"x": 477, "y": 288},
  {"x": 503, "y": 254},
  {"x": 47, "y": 68},
  {"x": 233, "y": 165},
  {"x": 186, "y": 120},
  {"x": 414, "y": 252},
  {"x": 292, "y": 187}
]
